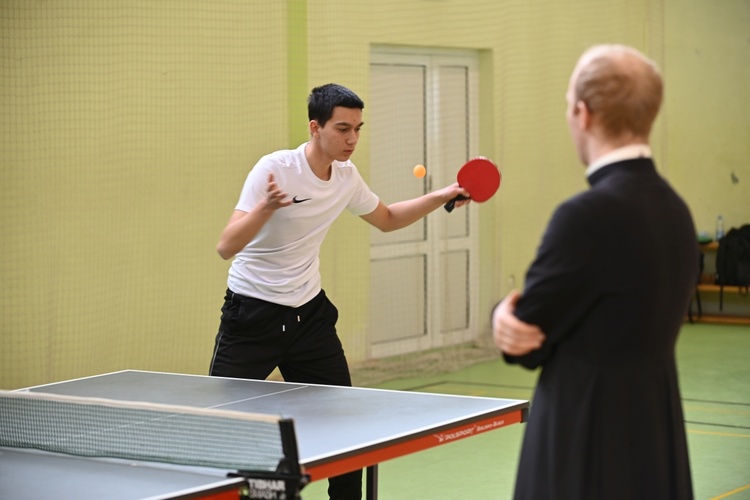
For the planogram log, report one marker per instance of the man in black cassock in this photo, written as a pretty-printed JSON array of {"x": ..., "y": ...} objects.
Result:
[{"x": 603, "y": 304}]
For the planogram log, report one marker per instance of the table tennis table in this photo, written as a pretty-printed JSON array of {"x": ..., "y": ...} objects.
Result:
[{"x": 338, "y": 430}]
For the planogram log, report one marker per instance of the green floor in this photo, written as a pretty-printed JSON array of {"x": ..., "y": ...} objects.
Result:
[{"x": 714, "y": 363}]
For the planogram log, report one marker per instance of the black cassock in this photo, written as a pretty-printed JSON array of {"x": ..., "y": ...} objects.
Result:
[{"x": 610, "y": 287}]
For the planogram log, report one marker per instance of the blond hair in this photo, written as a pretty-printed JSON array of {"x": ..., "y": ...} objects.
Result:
[{"x": 621, "y": 87}]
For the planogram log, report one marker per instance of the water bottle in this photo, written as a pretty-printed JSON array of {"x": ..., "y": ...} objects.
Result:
[{"x": 719, "y": 228}]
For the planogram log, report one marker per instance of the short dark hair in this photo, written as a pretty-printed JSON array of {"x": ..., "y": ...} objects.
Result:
[{"x": 323, "y": 99}]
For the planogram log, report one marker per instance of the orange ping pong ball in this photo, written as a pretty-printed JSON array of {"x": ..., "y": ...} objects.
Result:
[{"x": 419, "y": 171}]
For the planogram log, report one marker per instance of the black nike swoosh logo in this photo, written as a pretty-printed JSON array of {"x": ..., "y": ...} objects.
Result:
[{"x": 295, "y": 200}]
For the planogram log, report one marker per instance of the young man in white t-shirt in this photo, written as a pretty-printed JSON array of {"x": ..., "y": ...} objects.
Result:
[{"x": 275, "y": 313}]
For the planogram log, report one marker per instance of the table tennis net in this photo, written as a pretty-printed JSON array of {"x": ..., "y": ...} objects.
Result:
[{"x": 95, "y": 427}]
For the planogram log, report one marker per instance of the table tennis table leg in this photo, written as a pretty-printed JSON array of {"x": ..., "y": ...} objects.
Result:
[{"x": 372, "y": 483}]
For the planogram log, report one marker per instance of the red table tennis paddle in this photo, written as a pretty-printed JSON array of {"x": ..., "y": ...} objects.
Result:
[{"x": 480, "y": 177}]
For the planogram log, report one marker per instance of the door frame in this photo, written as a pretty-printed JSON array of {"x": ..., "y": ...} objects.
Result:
[{"x": 435, "y": 245}]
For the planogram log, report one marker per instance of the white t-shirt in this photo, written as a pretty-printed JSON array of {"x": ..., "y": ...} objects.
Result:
[{"x": 281, "y": 264}]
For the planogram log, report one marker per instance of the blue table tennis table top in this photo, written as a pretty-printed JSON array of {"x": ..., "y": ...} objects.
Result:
[{"x": 338, "y": 429}]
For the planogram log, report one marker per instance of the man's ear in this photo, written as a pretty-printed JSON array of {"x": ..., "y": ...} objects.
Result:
[
  {"x": 583, "y": 115},
  {"x": 313, "y": 127}
]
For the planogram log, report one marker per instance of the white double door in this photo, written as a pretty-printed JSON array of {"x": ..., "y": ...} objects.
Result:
[{"x": 424, "y": 279}]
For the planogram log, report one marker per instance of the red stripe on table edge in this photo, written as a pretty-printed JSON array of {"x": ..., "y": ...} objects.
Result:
[{"x": 373, "y": 457}]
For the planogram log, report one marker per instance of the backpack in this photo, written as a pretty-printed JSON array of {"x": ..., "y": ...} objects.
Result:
[{"x": 733, "y": 260}]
